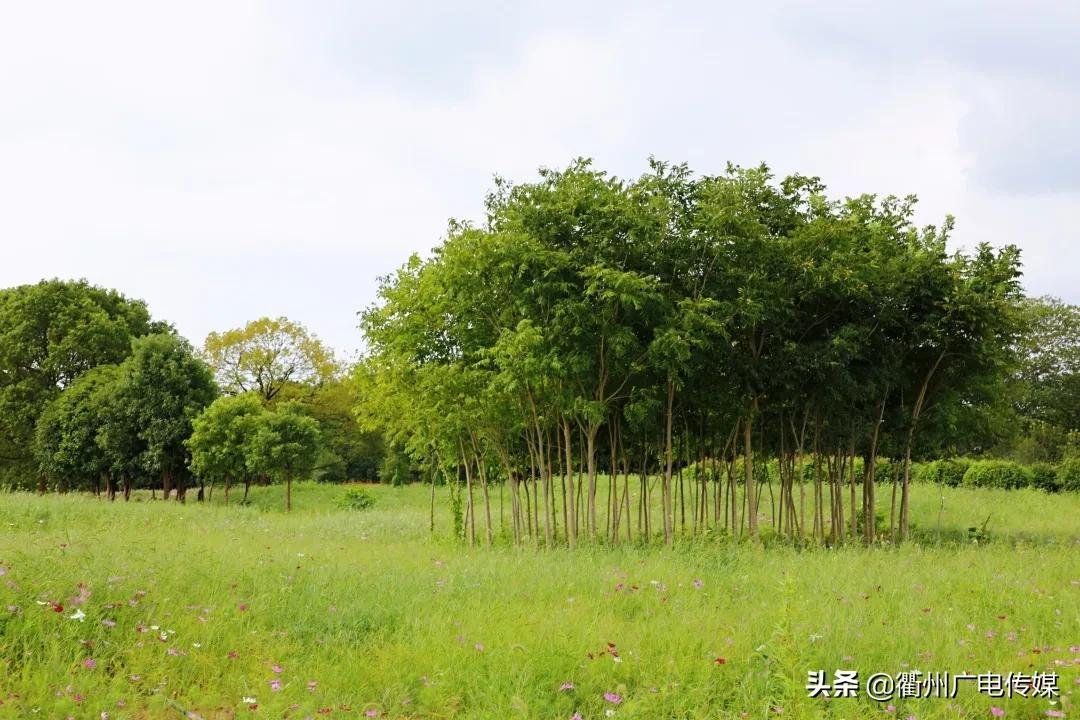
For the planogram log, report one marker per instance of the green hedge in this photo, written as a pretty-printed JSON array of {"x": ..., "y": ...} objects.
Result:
[
  {"x": 1044, "y": 476},
  {"x": 943, "y": 472},
  {"x": 1068, "y": 475},
  {"x": 998, "y": 474}
]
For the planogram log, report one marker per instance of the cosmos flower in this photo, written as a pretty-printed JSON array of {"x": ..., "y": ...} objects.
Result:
[
  {"x": 566, "y": 687},
  {"x": 89, "y": 663},
  {"x": 275, "y": 685},
  {"x": 613, "y": 698},
  {"x": 996, "y": 711}
]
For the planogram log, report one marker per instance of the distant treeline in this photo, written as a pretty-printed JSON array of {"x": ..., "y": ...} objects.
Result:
[{"x": 94, "y": 395}]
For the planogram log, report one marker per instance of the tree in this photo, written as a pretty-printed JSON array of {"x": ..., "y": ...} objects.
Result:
[
  {"x": 220, "y": 440},
  {"x": 267, "y": 354},
  {"x": 284, "y": 446},
  {"x": 50, "y": 334},
  {"x": 67, "y": 447}
]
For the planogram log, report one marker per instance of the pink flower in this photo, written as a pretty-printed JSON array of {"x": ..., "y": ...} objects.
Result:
[
  {"x": 613, "y": 698},
  {"x": 890, "y": 708},
  {"x": 233, "y": 655},
  {"x": 996, "y": 711},
  {"x": 89, "y": 663},
  {"x": 277, "y": 669},
  {"x": 372, "y": 712},
  {"x": 566, "y": 686},
  {"x": 275, "y": 685},
  {"x": 243, "y": 607},
  {"x": 1055, "y": 713},
  {"x": 576, "y": 716}
]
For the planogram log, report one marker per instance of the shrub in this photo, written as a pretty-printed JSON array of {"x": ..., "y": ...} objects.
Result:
[
  {"x": 1044, "y": 477},
  {"x": 1068, "y": 476},
  {"x": 944, "y": 472},
  {"x": 997, "y": 474},
  {"x": 356, "y": 498}
]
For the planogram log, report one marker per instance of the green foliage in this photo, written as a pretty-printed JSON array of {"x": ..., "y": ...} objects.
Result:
[
  {"x": 221, "y": 437},
  {"x": 1044, "y": 477},
  {"x": 997, "y": 474},
  {"x": 266, "y": 355},
  {"x": 945, "y": 472},
  {"x": 356, "y": 498},
  {"x": 50, "y": 334},
  {"x": 1068, "y": 478}
]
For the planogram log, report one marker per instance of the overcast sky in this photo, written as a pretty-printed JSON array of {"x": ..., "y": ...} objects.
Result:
[{"x": 228, "y": 160}]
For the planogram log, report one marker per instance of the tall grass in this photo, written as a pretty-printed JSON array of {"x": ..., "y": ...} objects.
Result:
[{"x": 363, "y": 612}]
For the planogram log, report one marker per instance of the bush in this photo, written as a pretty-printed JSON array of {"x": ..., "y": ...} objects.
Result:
[
  {"x": 356, "y": 498},
  {"x": 944, "y": 472},
  {"x": 1068, "y": 475},
  {"x": 1044, "y": 477},
  {"x": 998, "y": 474}
]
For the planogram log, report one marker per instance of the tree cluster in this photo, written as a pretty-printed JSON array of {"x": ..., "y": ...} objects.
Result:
[{"x": 594, "y": 330}]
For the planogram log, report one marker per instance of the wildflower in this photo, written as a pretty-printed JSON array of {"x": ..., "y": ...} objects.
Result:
[
  {"x": 196, "y": 645},
  {"x": 3, "y": 571},
  {"x": 566, "y": 687},
  {"x": 89, "y": 663},
  {"x": 243, "y": 607},
  {"x": 479, "y": 647},
  {"x": 698, "y": 584},
  {"x": 277, "y": 669},
  {"x": 233, "y": 655},
  {"x": 371, "y": 713},
  {"x": 311, "y": 685},
  {"x": 610, "y": 712},
  {"x": 275, "y": 685},
  {"x": 77, "y": 615},
  {"x": 108, "y": 623},
  {"x": 720, "y": 661},
  {"x": 576, "y": 716},
  {"x": 13, "y": 608},
  {"x": 613, "y": 698},
  {"x": 996, "y": 711},
  {"x": 248, "y": 700},
  {"x": 1055, "y": 714},
  {"x": 890, "y": 708}
]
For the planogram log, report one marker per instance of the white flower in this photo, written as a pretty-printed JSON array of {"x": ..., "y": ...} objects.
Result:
[
  {"x": 616, "y": 658},
  {"x": 154, "y": 627},
  {"x": 196, "y": 645},
  {"x": 78, "y": 615},
  {"x": 249, "y": 700},
  {"x": 609, "y": 712}
]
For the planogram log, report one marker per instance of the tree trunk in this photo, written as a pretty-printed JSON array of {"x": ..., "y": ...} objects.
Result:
[
  {"x": 748, "y": 474},
  {"x": 666, "y": 500}
]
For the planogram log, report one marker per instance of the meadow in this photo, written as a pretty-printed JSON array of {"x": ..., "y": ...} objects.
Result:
[{"x": 166, "y": 610}]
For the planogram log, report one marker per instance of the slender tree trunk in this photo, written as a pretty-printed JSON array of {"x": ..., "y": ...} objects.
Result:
[
  {"x": 748, "y": 473},
  {"x": 916, "y": 411},
  {"x": 666, "y": 491},
  {"x": 570, "y": 520}
]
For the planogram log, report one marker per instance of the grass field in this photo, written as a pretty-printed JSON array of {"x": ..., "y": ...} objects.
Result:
[{"x": 222, "y": 612}]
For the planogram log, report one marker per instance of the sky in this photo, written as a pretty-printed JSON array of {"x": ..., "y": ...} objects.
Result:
[{"x": 230, "y": 160}]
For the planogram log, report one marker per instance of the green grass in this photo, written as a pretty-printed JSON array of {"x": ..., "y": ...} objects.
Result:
[{"x": 383, "y": 617}]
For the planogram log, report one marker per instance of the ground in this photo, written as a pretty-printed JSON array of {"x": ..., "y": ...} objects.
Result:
[{"x": 157, "y": 610}]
